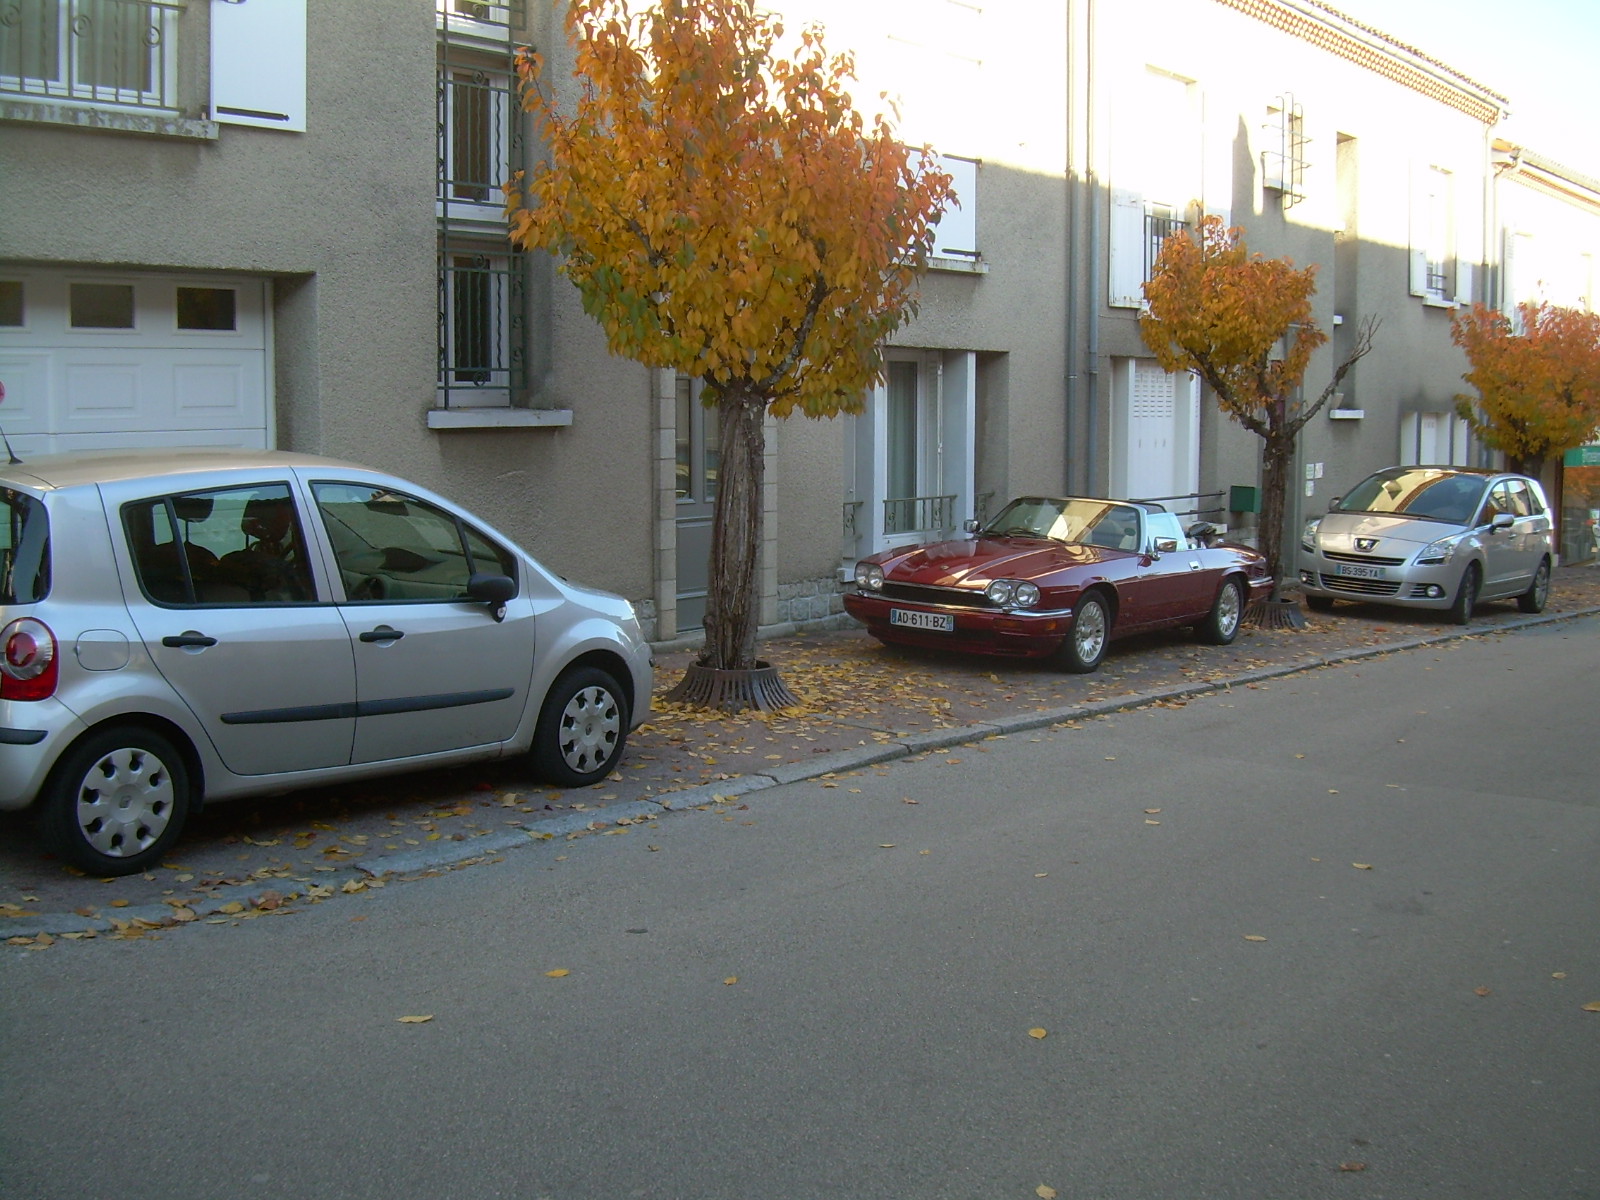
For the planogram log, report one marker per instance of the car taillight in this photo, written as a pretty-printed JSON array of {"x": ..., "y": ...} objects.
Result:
[{"x": 28, "y": 667}]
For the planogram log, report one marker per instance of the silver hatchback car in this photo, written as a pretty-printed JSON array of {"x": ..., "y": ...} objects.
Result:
[
  {"x": 183, "y": 626},
  {"x": 1432, "y": 537}
]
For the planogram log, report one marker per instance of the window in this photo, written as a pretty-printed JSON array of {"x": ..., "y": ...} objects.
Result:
[
  {"x": 207, "y": 308},
  {"x": 1156, "y": 143},
  {"x": 101, "y": 305},
  {"x": 480, "y": 329},
  {"x": 697, "y": 447},
  {"x": 107, "y": 51},
  {"x": 390, "y": 546},
  {"x": 12, "y": 309},
  {"x": 231, "y": 547},
  {"x": 476, "y": 127},
  {"x": 956, "y": 234},
  {"x": 1432, "y": 236}
]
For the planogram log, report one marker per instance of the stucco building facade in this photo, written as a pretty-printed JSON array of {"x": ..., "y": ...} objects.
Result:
[{"x": 277, "y": 222}]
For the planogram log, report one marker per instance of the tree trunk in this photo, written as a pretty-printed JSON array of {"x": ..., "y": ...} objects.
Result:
[
  {"x": 733, "y": 599},
  {"x": 1277, "y": 460}
]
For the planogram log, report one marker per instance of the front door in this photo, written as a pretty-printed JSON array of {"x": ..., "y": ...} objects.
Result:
[
  {"x": 695, "y": 435},
  {"x": 434, "y": 670}
]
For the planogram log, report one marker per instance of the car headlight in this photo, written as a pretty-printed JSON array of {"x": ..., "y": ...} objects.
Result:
[
  {"x": 1308, "y": 536},
  {"x": 1012, "y": 593},
  {"x": 1438, "y": 552},
  {"x": 869, "y": 577}
]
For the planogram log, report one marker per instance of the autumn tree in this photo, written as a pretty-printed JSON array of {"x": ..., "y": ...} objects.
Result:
[
  {"x": 726, "y": 212},
  {"x": 1243, "y": 324},
  {"x": 1538, "y": 385}
]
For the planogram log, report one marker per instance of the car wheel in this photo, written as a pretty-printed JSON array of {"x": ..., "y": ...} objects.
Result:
[
  {"x": 1466, "y": 595},
  {"x": 1086, "y": 641},
  {"x": 1533, "y": 600},
  {"x": 1319, "y": 603},
  {"x": 116, "y": 801},
  {"x": 1221, "y": 626},
  {"x": 582, "y": 728}
]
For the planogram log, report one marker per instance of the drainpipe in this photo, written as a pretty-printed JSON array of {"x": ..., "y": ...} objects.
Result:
[
  {"x": 1097, "y": 208},
  {"x": 1074, "y": 188}
]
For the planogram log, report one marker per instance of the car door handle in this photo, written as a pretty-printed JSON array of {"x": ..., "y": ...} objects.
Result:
[
  {"x": 189, "y": 637},
  {"x": 1193, "y": 566},
  {"x": 382, "y": 634}
]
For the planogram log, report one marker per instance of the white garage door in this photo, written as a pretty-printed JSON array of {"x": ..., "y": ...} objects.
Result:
[{"x": 97, "y": 360}]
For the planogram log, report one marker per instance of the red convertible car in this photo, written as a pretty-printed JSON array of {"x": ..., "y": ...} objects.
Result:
[{"x": 1062, "y": 577}]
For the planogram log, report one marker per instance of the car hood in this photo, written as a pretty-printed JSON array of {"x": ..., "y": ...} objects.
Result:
[
  {"x": 1399, "y": 534},
  {"x": 974, "y": 562}
]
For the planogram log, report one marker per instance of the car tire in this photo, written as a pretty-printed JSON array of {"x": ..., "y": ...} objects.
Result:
[
  {"x": 1221, "y": 625},
  {"x": 1319, "y": 604},
  {"x": 1533, "y": 600},
  {"x": 1086, "y": 642},
  {"x": 1466, "y": 595},
  {"x": 582, "y": 728},
  {"x": 116, "y": 801}
]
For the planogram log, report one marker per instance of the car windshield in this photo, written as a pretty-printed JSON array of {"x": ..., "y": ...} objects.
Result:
[
  {"x": 1427, "y": 492},
  {"x": 24, "y": 549},
  {"x": 1093, "y": 522}
]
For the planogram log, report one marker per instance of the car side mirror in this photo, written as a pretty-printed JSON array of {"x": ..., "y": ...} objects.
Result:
[
  {"x": 1502, "y": 521},
  {"x": 970, "y": 525},
  {"x": 1166, "y": 546},
  {"x": 493, "y": 590}
]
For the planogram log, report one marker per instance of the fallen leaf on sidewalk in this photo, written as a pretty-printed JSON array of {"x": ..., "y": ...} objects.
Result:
[
  {"x": 423, "y": 1020},
  {"x": 1039, "y": 1034}
]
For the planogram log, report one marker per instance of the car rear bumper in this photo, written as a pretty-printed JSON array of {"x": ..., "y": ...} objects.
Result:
[{"x": 31, "y": 736}]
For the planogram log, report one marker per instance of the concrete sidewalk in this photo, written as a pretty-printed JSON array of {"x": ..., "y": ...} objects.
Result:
[{"x": 864, "y": 704}]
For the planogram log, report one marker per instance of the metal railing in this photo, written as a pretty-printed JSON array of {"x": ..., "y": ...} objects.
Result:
[
  {"x": 492, "y": 17},
  {"x": 481, "y": 328},
  {"x": 1157, "y": 229},
  {"x": 913, "y": 514},
  {"x": 110, "y": 52},
  {"x": 1195, "y": 500}
]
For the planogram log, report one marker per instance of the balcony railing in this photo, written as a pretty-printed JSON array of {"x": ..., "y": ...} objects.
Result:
[
  {"x": 106, "y": 52},
  {"x": 917, "y": 514},
  {"x": 490, "y": 19},
  {"x": 1159, "y": 225}
]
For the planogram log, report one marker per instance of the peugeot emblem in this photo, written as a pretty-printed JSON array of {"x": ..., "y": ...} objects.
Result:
[{"x": 1366, "y": 544}]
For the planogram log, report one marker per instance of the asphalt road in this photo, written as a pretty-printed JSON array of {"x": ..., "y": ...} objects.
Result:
[{"x": 1329, "y": 935}]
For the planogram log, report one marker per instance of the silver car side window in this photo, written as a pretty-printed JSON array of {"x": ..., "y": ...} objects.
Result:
[
  {"x": 390, "y": 546},
  {"x": 233, "y": 546}
]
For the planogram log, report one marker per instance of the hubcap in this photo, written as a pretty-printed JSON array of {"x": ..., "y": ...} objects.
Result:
[
  {"x": 1228, "y": 611},
  {"x": 1089, "y": 634},
  {"x": 590, "y": 726},
  {"x": 1541, "y": 584},
  {"x": 125, "y": 802}
]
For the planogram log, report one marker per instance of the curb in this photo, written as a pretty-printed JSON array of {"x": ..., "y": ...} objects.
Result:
[{"x": 452, "y": 855}]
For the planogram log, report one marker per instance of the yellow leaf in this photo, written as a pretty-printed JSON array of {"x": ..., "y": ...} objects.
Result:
[
  {"x": 1480, "y": 991},
  {"x": 558, "y": 973},
  {"x": 1362, "y": 866},
  {"x": 886, "y": 845},
  {"x": 1592, "y": 1006},
  {"x": 1254, "y": 937},
  {"x": 1044, "y": 1192},
  {"x": 233, "y": 906},
  {"x": 1038, "y": 1034},
  {"x": 731, "y": 980},
  {"x": 415, "y": 1020},
  {"x": 1558, "y": 975}
]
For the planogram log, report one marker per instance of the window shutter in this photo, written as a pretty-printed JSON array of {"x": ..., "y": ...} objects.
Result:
[
  {"x": 258, "y": 63},
  {"x": 1127, "y": 250},
  {"x": 1466, "y": 272},
  {"x": 1410, "y": 435}
]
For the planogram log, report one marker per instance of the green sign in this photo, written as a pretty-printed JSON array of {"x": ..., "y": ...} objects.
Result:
[{"x": 1583, "y": 456}]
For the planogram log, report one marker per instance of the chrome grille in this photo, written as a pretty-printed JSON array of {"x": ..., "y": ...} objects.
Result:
[
  {"x": 1376, "y": 560},
  {"x": 1361, "y": 587},
  {"x": 921, "y": 594}
]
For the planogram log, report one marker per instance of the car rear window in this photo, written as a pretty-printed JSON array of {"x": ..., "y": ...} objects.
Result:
[
  {"x": 1424, "y": 492},
  {"x": 24, "y": 549}
]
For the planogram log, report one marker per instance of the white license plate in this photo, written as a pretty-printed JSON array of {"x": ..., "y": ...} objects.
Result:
[
  {"x": 1358, "y": 572},
  {"x": 942, "y": 622}
]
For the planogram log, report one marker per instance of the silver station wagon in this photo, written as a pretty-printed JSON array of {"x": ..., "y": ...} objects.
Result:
[
  {"x": 1432, "y": 537},
  {"x": 185, "y": 626}
]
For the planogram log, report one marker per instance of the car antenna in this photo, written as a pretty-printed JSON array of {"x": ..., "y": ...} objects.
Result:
[{"x": 11, "y": 455}]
